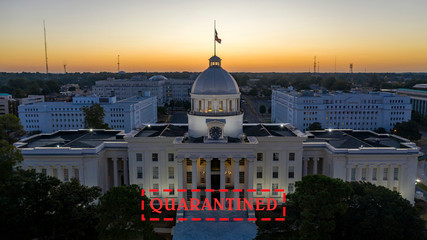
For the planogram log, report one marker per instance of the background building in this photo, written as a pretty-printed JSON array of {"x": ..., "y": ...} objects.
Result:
[
  {"x": 159, "y": 86},
  {"x": 418, "y": 99},
  {"x": 125, "y": 115},
  {"x": 359, "y": 111},
  {"x": 8, "y": 104}
]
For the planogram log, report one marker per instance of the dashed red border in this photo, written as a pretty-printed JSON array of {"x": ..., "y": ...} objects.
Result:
[{"x": 214, "y": 219}]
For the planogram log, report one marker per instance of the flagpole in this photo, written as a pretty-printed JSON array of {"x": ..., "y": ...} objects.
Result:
[{"x": 214, "y": 38}]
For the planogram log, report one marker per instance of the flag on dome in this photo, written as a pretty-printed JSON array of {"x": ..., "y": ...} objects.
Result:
[{"x": 217, "y": 38}]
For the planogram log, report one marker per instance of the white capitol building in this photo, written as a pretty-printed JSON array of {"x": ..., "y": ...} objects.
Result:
[{"x": 215, "y": 150}]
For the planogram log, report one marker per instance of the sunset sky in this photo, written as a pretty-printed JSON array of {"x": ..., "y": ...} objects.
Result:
[{"x": 177, "y": 35}]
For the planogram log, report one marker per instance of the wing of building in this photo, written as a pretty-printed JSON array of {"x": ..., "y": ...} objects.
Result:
[
  {"x": 215, "y": 150},
  {"x": 360, "y": 111}
]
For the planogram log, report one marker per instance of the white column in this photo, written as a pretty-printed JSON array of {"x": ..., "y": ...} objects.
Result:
[
  {"x": 250, "y": 176},
  {"x": 304, "y": 167},
  {"x": 359, "y": 173},
  {"x": 208, "y": 178},
  {"x": 370, "y": 169},
  {"x": 315, "y": 161},
  {"x": 116, "y": 178},
  {"x": 380, "y": 174},
  {"x": 348, "y": 173},
  {"x": 81, "y": 175},
  {"x": 390, "y": 178},
  {"x": 236, "y": 181},
  {"x": 107, "y": 180},
  {"x": 180, "y": 180},
  {"x": 222, "y": 177},
  {"x": 70, "y": 173},
  {"x": 60, "y": 173},
  {"x": 126, "y": 170},
  {"x": 194, "y": 177}
]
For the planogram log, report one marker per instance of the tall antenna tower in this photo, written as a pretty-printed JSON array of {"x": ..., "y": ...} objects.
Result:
[
  {"x": 45, "y": 50},
  {"x": 351, "y": 68},
  {"x": 65, "y": 68},
  {"x": 118, "y": 63},
  {"x": 318, "y": 67},
  {"x": 314, "y": 65}
]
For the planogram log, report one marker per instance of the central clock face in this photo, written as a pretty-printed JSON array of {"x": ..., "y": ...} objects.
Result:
[{"x": 215, "y": 132}]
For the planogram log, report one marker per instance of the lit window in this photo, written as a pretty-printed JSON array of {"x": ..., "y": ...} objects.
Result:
[{"x": 155, "y": 172}]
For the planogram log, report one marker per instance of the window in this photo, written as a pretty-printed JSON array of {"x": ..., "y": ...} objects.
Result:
[
  {"x": 259, "y": 156},
  {"x": 241, "y": 177},
  {"x": 155, "y": 172},
  {"x": 189, "y": 162},
  {"x": 76, "y": 173},
  {"x": 139, "y": 157},
  {"x": 242, "y": 194},
  {"x": 291, "y": 172},
  {"x": 275, "y": 156},
  {"x": 44, "y": 171},
  {"x": 258, "y": 188},
  {"x": 171, "y": 173},
  {"x": 291, "y": 187},
  {"x": 385, "y": 173},
  {"x": 363, "y": 174},
  {"x": 155, "y": 157},
  {"x": 189, "y": 194},
  {"x": 242, "y": 162},
  {"x": 139, "y": 172},
  {"x": 396, "y": 174},
  {"x": 172, "y": 186},
  {"x": 171, "y": 157},
  {"x": 189, "y": 177},
  {"x": 66, "y": 174},
  {"x": 353, "y": 174},
  {"x": 291, "y": 156},
  {"x": 259, "y": 172},
  {"x": 274, "y": 186},
  {"x": 156, "y": 186},
  {"x": 55, "y": 172},
  {"x": 374, "y": 174},
  {"x": 275, "y": 172}
]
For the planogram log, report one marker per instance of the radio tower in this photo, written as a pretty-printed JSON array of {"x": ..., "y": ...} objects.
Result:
[
  {"x": 351, "y": 72},
  {"x": 118, "y": 63},
  {"x": 45, "y": 50},
  {"x": 314, "y": 65},
  {"x": 65, "y": 68}
]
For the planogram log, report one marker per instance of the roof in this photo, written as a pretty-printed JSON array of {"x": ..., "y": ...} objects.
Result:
[
  {"x": 356, "y": 139},
  {"x": 4, "y": 94},
  {"x": 83, "y": 138},
  {"x": 215, "y": 81},
  {"x": 253, "y": 130}
]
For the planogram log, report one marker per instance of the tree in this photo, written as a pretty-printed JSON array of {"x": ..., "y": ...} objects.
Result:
[
  {"x": 320, "y": 201},
  {"x": 11, "y": 129},
  {"x": 416, "y": 116},
  {"x": 46, "y": 207},
  {"x": 315, "y": 126},
  {"x": 253, "y": 92},
  {"x": 407, "y": 130},
  {"x": 269, "y": 109},
  {"x": 9, "y": 157},
  {"x": 262, "y": 109},
  {"x": 94, "y": 117},
  {"x": 161, "y": 110},
  {"x": 120, "y": 214},
  {"x": 375, "y": 212},
  {"x": 380, "y": 130}
]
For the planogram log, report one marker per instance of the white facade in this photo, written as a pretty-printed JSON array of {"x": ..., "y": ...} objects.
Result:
[
  {"x": 159, "y": 86},
  {"x": 340, "y": 110},
  {"x": 123, "y": 115}
]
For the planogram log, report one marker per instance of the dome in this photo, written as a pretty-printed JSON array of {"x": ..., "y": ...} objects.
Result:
[
  {"x": 215, "y": 80},
  {"x": 157, "y": 78}
]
